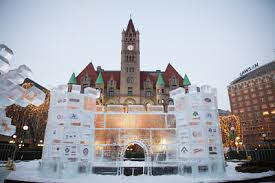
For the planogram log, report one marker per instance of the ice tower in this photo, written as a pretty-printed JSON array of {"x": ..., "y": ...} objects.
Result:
[
  {"x": 69, "y": 137},
  {"x": 200, "y": 149}
]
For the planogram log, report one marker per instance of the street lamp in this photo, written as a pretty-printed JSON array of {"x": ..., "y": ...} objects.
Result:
[
  {"x": 25, "y": 127},
  {"x": 232, "y": 135},
  {"x": 264, "y": 136},
  {"x": 14, "y": 136}
]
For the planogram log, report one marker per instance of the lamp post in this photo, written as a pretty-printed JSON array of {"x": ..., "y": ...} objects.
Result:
[
  {"x": 232, "y": 135},
  {"x": 264, "y": 136},
  {"x": 237, "y": 143},
  {"x": 25, "y": 128}
]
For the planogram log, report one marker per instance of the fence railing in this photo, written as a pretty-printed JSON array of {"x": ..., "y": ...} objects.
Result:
[
  {"x": 256, "y": 155},
  {"x": 7, "y": 151}
]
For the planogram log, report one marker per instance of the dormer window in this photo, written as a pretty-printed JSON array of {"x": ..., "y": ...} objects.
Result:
[{"x": 148, "y": 92}]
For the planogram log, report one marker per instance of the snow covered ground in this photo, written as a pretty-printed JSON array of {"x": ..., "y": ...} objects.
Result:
[{"x": 28, "y": 171}]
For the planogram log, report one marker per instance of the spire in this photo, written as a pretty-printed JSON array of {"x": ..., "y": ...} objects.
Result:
[
  {"x": 186, "y": 81},
  {"x": 99, "y": 79},
  {"x": 160, "y": 80},
  {"x": 72, "y": 79},
  {"x": 130, "y": 26}
]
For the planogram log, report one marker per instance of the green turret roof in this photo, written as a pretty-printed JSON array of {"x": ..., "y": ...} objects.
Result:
[
  {"x": 99, "y": 79},
  {"x": 72, "y": 79},
  {"x": 186, "y": 81},
  {"x": 160, "y": 80}
]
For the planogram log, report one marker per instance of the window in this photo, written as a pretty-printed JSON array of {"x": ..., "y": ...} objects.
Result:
[
  {"x": 232, "y": 94},
  {"x": 241, "y": 110},
  {"x": 269, "y": 92},
  {"x": 248, "y": 102},
  {"x": 255, "y": 101},
  {"x": 162, "y": 90},
  {"x": 240, "y": 98},
  {"x": 130, "y": 80},
  {"x": 270, "y": 98},
  {"x": 268, "y": 86},
  {"x": 250, "y": 115},
  {"x": 130, "y": 91},
  {"x": 111, "y": 91},
  {"x": 253, "y": 95},
  {"x": 246, "y": 97},
  {"x": 271, "y": 105},
  {"x": 245, "y": 91},
  {"x": 265, "y": 113},
  {"x": 261, "y": 93},
  {"x": 273, "y": 112},
  {"x": 257, "y": 114},
  {"x": 148, "y": 92},
  {"x": 256, "y": 107},
  {"x": 264, "y": 106}
]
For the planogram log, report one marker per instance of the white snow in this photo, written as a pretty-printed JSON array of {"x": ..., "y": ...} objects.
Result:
[{"x": 28, "y": 171}]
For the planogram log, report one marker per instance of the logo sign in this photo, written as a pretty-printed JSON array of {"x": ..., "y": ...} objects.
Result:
[
  {"x": 209, "y": 115},
  {"x": 196, "y": 115},
  {"x": 67, "y": 150},
  {"x": 73, "y": 116},
  {"x": 197, "y": 150},
  {"x": 85, "y": 151},
  {"x": 59, "y": 116},
  {"x": 74, "y": 100},
  {"x": 208, "y": 100},
  {"x": 60, "y": 101},
  {"x": 183, "y": 150},
  {"x": 212, "y": 150},
  {"x": 212, "y": 131},
  {"x": 251, "y": 68}
]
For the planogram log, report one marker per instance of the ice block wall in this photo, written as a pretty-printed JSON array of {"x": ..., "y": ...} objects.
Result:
[
  {"x": 200, "y": 149},
  {"x": 68, "y": 141},
  {"x": 11, "y": 92}
]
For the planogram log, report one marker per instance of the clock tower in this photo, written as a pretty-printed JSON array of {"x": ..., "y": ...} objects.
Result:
[{"x": 130, "y": 66}]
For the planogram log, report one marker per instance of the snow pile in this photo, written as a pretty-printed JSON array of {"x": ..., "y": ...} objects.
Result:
[{"x": 29, "y": 171}]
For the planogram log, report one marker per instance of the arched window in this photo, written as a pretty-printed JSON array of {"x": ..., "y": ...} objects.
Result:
[{"x": 171, "y": 102}]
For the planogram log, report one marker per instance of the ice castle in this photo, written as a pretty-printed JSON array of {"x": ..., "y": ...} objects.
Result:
[{"x": 82, "y": 137}]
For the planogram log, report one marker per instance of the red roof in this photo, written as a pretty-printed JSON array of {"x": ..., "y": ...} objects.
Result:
[
  {"x": 115, "y": 75},
  {"x": 169, "y": 72}
]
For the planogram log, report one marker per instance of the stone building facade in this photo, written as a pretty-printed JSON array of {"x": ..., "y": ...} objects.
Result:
[{"x": 130, "y": 85}]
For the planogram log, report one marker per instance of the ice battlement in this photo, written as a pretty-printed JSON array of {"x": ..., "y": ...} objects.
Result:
[{"x": 83, "y": 137}]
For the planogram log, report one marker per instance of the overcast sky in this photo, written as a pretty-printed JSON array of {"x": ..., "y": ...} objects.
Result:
[{"x": 211, "y": 41}]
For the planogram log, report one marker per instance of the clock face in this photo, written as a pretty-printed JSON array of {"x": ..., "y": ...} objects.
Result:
[{"x": 130, "y": 47}]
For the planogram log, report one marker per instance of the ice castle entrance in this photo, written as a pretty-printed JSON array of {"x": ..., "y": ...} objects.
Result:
[{"x": 134, "y": 155}]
